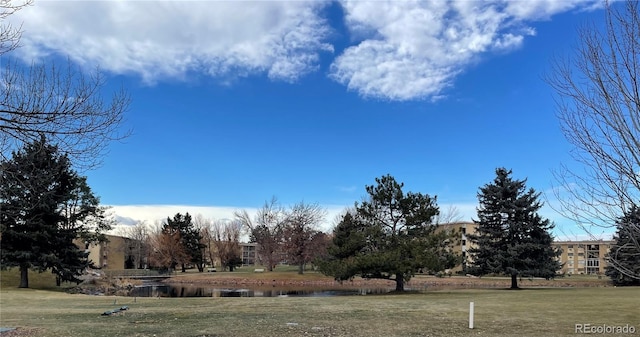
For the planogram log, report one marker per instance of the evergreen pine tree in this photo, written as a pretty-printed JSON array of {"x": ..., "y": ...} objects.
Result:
[
  {"x": 512, "y": 238},
  {"x": 190, "y": 240},
  {"x": 391, "y": 236},
  {"x": 623, "y": 259},
  {"x": 36, "y": 186}
]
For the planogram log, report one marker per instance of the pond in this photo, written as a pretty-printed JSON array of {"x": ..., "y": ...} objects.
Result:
[{"x": 180, "y": 290}]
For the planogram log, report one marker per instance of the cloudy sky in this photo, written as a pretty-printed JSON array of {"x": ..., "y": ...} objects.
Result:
[{"x": 235, "y": 102}]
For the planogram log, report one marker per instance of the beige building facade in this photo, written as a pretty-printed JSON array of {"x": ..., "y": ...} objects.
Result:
[
  {"x": 583, "y": 257},
  {"x": 461, "y": 243},
  {"x": 114, "y": 254}
]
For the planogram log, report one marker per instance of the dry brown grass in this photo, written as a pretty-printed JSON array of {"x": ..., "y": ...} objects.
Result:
[{"x": 531, "y": 312}]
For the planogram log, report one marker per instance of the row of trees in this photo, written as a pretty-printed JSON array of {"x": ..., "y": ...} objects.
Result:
[
  {"x": 393, "y": 235},
  {"x": 183, "y": 241},
  {"x": 292, "y": 234},
  {"x": 282, "y": 235}
]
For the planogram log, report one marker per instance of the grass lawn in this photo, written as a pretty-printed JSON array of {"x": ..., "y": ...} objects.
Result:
[{"x": 528, "y": 312}]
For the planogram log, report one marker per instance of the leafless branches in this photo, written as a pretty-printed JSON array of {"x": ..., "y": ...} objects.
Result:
[
  {"x": 301, "y": 226},
  {"x": 10, "y": 35},
  {"x": 266, "y": 229},
  {"x": 140, "y": 242},
  {"x": 599, "y": 109},
  {"x": 226, "y": 239},
  {"x": 63, "y": 104},
  {"x": 450, "y": 215}
]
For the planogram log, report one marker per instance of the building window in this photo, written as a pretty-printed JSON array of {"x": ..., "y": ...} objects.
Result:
[
  {"x": 464, "y": 230},
  {"x": 464, "y": 242},
  {"x": 570, "y": 246},
  {"x": 593, "y": 255}
]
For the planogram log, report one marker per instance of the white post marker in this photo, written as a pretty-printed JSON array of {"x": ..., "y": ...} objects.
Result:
[{"x": 470, "y": 315}]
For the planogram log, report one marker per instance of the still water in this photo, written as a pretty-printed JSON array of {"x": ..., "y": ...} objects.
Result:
[{"x": 176, "y": 290}]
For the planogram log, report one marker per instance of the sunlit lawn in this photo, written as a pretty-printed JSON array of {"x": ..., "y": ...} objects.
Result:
[{"x": 528, "y": 312}]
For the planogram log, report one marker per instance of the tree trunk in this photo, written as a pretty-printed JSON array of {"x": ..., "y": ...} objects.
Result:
[
  {"x": 399, "y": 282},
  {"x": 24, "y": 276},
  {"x": 184, "y": 269},
  {"x": 514, "y": 281},
  {"x": 301, "y": 268}
]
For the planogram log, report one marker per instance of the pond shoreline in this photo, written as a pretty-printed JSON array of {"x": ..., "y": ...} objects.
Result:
[{"x": 419, "y": 282}]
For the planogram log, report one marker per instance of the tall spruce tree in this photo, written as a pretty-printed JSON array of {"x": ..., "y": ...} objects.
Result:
[
  {"x": 512, "y": 238},
  {"x": 624, "y": 260},
  {"x": 391, "y": 236},
  {"x": 37, "y": 222}
]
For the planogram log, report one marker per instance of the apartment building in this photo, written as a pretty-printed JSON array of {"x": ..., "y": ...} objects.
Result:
[
  {"x": 583, "y": 257},
  {"x": 115, "y": 253},
  {"x": 461, "y": 243}
]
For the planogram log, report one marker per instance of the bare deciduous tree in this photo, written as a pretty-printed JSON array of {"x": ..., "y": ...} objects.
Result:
[
  {"x": 62, "y": 104},
  {"x": 204, "y": 226},
  {"x": 266, "y": 230},
  {"x": 139, "y": 245},
  {"x": 226, "y": 239},
  {"x": 450, "y": 215},
  {"x": 10, "y": 35},
  {"x": 301, "y": 226},
  {"x": 598, "y": 105}
]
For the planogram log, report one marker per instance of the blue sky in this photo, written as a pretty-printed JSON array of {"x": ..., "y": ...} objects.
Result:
[{"x": 236, "y": 102}]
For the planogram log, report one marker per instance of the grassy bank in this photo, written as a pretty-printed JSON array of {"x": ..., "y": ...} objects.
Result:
[
  {"x": 530, "y": 312},
  {"x": 550, "y": 310},
  {"x": 288, "y": 276}
]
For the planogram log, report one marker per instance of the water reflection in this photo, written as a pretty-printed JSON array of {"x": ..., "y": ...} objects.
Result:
[{"x": 173, "y": 290}]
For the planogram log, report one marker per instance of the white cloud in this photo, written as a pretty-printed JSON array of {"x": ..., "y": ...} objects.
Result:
[
  {"x": 401, "y": 50},
  {"x": 416, "y": 49},
  {"x": 171, "y": 39},
  {"x": 155, "y": 213}
]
